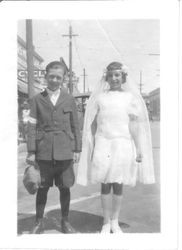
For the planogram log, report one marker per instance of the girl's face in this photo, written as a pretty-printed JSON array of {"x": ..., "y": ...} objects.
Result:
[{"x": 114, "y": 78}]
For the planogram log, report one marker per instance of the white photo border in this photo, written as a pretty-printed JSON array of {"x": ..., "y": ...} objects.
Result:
[{"x": 167, "y": 12}]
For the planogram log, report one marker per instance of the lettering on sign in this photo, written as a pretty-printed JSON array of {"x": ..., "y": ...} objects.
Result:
[{"x": 37, "y": 74}]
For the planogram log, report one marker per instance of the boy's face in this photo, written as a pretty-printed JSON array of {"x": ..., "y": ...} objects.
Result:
[
  {"x": 114, "y": 78},
  {"x": 55, "y": 78}
]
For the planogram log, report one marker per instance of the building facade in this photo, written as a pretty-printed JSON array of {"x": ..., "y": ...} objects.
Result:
[
  {"x": 39, "y": 75},
  {"x": 22, "y": 72},
  {"x": 152, "y": 101},
  {"x": 22, "y": 80}
]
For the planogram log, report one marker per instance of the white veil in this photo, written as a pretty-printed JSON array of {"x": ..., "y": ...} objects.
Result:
[{"x": 145, "y": 169}]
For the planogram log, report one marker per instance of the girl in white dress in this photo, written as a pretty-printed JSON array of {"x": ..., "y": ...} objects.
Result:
[{"x": 116, "y": 142}]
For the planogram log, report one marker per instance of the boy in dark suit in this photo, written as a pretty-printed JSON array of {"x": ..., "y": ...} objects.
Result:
[{"x": 54, "y": 142}]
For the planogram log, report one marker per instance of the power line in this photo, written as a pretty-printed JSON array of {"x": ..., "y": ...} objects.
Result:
[
  {"x": 108, "y": 38},
  {"x": 76, "y": 48},
  {"x": 70, "y": 35},
  {"x": 123, "y": 55},
  {"x": 84, "y": 76},
  {"x": 112, "y": 43}
]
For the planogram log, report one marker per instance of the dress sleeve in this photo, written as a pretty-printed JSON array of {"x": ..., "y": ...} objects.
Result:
[{"x": 134, "y": 107}]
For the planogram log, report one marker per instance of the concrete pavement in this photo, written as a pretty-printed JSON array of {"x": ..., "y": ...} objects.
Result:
[{"x": 140, "y": 211}]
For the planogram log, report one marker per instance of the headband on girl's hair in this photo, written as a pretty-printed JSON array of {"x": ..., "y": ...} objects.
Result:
[
  {"x": 114, "y": 66},
  {"x": 117, "y": 66}
]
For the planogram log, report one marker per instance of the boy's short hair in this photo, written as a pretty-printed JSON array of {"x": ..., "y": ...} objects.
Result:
[{"x": 55, "y": 65}]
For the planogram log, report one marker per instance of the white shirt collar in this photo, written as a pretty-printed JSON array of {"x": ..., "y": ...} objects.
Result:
[{"x": 55, "y": 93}]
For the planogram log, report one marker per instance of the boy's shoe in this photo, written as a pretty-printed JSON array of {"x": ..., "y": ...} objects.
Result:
[{"x": 39, "y": 227}]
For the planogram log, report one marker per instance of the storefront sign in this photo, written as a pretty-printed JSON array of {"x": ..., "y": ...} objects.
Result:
[{"x": 22, "y": 74}]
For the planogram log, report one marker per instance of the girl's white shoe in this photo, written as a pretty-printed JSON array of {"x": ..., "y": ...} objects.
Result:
[
  {"x": 106, "y": 228},
  {"x": 115, "y": 228}
]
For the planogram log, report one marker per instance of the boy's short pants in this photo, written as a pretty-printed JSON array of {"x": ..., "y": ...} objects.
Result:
[{"x": 59, "y": 172}]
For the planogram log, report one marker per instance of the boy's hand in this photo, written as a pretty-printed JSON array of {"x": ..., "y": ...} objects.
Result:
[
  {"x": 76, "y": 157},
  {"x": 31, "y": 159}
]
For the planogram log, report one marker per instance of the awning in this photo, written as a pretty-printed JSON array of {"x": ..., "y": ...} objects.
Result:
[{"x": 23, "y": 87}]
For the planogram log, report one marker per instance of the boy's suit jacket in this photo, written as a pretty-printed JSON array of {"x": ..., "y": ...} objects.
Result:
[{"x": 56, "y": 134}]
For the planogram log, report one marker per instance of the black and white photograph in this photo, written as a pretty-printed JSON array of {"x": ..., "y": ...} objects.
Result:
[
  {"x": 103, "y": 107},
  {"x": 93, "y": 133}
]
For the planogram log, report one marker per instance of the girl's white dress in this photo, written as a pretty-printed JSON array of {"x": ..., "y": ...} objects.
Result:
[{"x": 114, "y": 151}]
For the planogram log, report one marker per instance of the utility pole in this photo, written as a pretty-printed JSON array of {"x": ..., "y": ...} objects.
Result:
[
  {"x": 141, "y": 82},
  {"x": 29, "y": 53},
  {"x": 84, "y": 77},
  {"x": 70, "y": 35}
]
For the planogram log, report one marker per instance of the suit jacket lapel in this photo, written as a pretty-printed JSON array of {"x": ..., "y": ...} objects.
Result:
[
  {"x": 46, "y": 99},
  {"x": 61, "y": 98}
]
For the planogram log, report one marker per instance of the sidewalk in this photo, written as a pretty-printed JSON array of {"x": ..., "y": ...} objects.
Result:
[{"x": 140, "y": 211}]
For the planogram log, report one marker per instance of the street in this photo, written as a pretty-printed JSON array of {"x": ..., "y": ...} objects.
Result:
[{"x": 140, "y": 211}]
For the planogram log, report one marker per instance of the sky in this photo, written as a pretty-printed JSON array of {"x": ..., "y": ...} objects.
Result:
[{"x": 134, "y": 43}]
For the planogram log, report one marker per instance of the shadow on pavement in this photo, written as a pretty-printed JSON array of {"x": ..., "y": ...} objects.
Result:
[
  {"x": 25, "y": 223},
  {"x": 81, "y": 221}
]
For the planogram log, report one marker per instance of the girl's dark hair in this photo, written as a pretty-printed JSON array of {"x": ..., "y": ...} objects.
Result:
[
  {"x": 116, "y": 66},
  {"x": 55, "y": 65}
]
